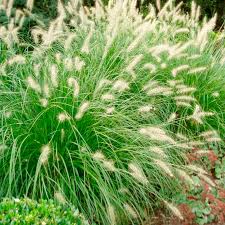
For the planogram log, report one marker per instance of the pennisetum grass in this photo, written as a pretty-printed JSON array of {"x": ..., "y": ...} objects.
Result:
[{"x": 108, "y": 100}]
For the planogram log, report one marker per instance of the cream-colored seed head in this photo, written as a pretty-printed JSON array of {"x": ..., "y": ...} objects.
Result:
[
  {"x": 174, "y": 210},
  {"x": 120, "y": 85},
  {"x": 54, "y": 75},
  {"x": 129, "y": 209},
  {"x": 60, "y": 197},
  {"x": 33, "y": 84},
  {"x": 45, "y": 152},
  {"x": 72, "y": 82},
  {"x": 164, "y": 166},
  {"x": 157, "y": 134},
  {"x": 82, "y": 109},
  {"x": 137, "y": 172},
  {"x": 62, "y": 117}
]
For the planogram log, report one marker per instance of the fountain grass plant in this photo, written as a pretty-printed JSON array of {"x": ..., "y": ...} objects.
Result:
[{"x": 106, "y": 105}]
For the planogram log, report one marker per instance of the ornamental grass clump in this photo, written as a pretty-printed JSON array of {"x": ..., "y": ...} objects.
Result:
[{"x": 101, "y": 108}]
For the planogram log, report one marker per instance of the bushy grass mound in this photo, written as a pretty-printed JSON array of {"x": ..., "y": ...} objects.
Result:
[
  {"x": 26, "y": 211},
  {"x": 103, "y": 110}
]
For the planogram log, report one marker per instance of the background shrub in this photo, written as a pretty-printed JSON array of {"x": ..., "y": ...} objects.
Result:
[
  {"x": 29, "y": 212},
  {"x": 208, "y": 7}
]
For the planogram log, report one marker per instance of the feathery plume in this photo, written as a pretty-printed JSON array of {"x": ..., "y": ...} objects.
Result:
[
  {"x": 60, "y": 197},
  {"x": 54, "y": 75},
  {"x": 136, "y": 41},
  {"x": 150, "y": 67},
  {"x": 196, "y": 56},
  {"x": 111, "y": 213},
  {"x": 222, "y": 61},
  {"x": 110, "y": 110},
  {"x": 107, "y": 97},
  {"x": 156, "y": 134},
  {"x": 181, "y": 30},
  {"x": 58, "y": 57},
  {"x": 9, "y": 8},
  {"x": 181, "y": 137},
  {"x": 174, "y": 210},
  {"x": 30, "y": 4},
  {"x": 207, "y": 179},
  {"x": 132, "y": 65},
  {"x": 130, "y": 210},
  {"x": 196, "y": 143},
  {"x": 137, "y": 172},
  {"x": 37, "y": 69},
  {"x": 157, "y": 150},
  {"x": 196, "y": 169},
  {"x": 72, "y": 83},
  {"x": 7, "y": 114},
  {"x": 182, "y": 104},
  {"x": 185, "y": 176},
  {"x": 185, "y": 98},
  {"x": 150, "y": 84},
  {"x": 197, "y": 70},
  {"x": 19, "y": 59},
  {"x": 163, "y": 65},
  {"x": 62, "y": 117},
  {"x": 62, "y": 134},
  {"x": 163, "y": 166},
  {"x": 69, "y": 63},
  {"x": 69, "y": 41},
  {"x": 44, "y": 102},
  {"x": 198, "y": 115},
  {"x": 102, "y": 83},
  {"x": 158, "y": 49},
  {"x": 172, "y": 117},
  {"x": 202, "y": 36},
  {"x": 98, "y": 156},
  {"x": 160, "y": 90},
  {"x": 81, "y": 111},
  {"x": 109, "y": 165},
  {"x": 46, "y": 90},
  {"x": 86, "y": 45},
  {"x": 33, "y": 84},
  {"x": 177, "y": 49},
  {"x": 210, "y": 136},
  {"x": 120, "y": 85},
  {"x": 181, "y": 68},
  {"x": 146, "y": 109},
  {"x": 79, "y": 64},
  {"x": 216, "y": 94},
  {"x": 174, "y": 83},
  {"x": 45, "y": 152},
  {"x": 158, "y": 4},
  {"x": 185, "y": 89}
]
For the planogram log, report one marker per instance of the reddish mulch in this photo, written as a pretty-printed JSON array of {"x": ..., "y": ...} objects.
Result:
[{"x": 216, "y": 203}]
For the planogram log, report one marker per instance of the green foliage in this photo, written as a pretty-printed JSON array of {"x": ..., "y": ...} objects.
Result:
[
  {"x": 101, "y": 112},
  {"x": 28, "y": 212}
]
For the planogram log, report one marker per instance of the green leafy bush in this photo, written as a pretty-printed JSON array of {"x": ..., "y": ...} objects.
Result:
[
  {"x": 26, "y": 211},
  {"x": 106, "y": 107}
]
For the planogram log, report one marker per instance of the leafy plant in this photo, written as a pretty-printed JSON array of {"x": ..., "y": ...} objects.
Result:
[
  {"x": 27, "y": 211},
  {"x": 106, "y": 106}
]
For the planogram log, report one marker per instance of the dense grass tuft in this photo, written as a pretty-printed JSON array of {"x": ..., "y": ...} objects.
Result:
[{"x": 106, "y": 105}]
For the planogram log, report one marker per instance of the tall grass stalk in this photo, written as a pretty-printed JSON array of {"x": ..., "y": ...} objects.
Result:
[{"x": 105, "y": 107}]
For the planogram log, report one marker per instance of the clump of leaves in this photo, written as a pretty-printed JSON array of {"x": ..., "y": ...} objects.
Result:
[
  {"x": 27, "y": 211},
  {"x": 106, "y": 107}
]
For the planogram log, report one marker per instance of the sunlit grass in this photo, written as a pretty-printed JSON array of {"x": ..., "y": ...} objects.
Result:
[{"x": 105, "y": 107}]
